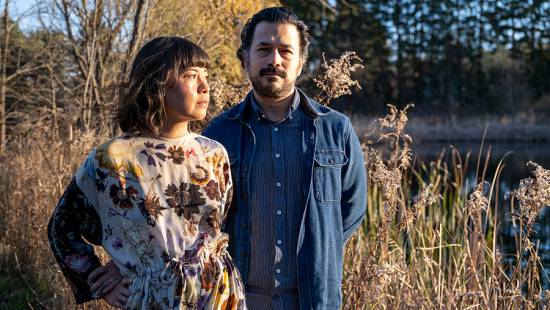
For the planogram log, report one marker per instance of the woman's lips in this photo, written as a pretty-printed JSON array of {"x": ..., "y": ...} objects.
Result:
[{"x": 203, "y": 103}]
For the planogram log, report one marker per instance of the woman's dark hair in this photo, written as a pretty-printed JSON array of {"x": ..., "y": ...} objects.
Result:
[
  {"x": 277, "y": 16},
  {"x": 139, "y": 107}
]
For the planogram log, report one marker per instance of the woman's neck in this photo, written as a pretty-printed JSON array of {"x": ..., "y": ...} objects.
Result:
[{"x": 174, "y": 130}]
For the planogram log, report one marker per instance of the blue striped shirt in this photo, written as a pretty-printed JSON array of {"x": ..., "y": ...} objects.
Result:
[{"x": 276, "y": 209}]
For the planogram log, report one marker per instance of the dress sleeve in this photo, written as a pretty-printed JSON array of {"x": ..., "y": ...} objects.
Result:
[
  {"x": 73, "y": 220},
  {"x": 227, "y": 195}
]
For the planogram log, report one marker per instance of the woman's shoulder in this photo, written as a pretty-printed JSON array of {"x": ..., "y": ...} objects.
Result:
[{"x": 207, "y": 144}]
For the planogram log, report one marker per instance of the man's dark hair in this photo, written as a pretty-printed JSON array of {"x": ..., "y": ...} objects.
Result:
[
  {"x": 277, "y": 16},
  {"x": 139, "y": 107}
]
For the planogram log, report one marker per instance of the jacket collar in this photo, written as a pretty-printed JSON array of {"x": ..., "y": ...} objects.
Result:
[{"x": 310, "y": 107}]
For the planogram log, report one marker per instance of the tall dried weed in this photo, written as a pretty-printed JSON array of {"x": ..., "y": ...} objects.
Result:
[{"x": 411, "y": 252}]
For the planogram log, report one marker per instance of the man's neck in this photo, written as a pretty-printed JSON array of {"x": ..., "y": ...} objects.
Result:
[{"x": 275, "y": 109}]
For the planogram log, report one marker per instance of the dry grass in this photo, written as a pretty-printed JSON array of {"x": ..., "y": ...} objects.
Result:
[
  {"x": 34, "y": 171},
  {"x": 438, "y": 250},
  {"x": 433, "y": 250}
]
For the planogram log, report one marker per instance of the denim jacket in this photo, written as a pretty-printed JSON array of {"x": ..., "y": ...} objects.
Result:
[{"x": 335, "y": 194}]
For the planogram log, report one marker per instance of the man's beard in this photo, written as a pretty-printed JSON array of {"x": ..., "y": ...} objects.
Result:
[{"x": 272, "y": 90}]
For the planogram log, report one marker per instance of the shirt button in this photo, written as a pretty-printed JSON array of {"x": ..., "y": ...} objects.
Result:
[
  {"x": 245, "y": 225},
  {"x": 251, "y": 140},
  {"x": 258, "y": 118},
  {"x": 243, "y": 255},
  {"x": 278, "y": 184},
  {"x": 276, "y": 129},
  {"x": 279, "y": 212},
  {"x": 279, "y": 242},
  {"x": 331, "y": 161},
  {"x": 245, "y": 196},
  {"x": 278, "y": 270},
  {"x": 245, "y": 168},
  {"x": 277, "y": 155},
  {"x": 290, "y": 117}
]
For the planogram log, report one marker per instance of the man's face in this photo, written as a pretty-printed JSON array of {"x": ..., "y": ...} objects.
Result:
[{"x": 274, "y": 63}]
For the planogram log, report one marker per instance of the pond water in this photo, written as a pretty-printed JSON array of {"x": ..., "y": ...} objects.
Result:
[{"x": 515, "y": 169}]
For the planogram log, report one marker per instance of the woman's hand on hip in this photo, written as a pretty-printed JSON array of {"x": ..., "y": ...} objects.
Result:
[
  {"x": 108, "y": 277},
  {"x": 118, "y": 297}
]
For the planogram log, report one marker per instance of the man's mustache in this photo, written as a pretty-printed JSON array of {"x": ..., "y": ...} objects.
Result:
[{"x": 273, "y": 70}]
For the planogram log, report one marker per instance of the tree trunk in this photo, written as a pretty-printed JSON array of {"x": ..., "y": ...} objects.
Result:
[
  {"x": 137, "y": 33},
  {"x": 4, "y": 59}
]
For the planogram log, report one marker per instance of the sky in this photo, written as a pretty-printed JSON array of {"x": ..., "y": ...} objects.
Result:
[{"x": 17, "y": 7}]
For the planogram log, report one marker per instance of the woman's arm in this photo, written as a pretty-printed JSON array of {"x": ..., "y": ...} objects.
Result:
[{"x": 73, "y": 219}]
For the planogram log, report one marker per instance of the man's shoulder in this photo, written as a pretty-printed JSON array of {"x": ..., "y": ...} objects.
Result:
[
  {"x": 223, "y": 123},
  {"x": 326, "y": 114}
]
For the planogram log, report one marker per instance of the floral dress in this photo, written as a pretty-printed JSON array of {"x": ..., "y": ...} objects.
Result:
[{"x": 157, "y": 207}]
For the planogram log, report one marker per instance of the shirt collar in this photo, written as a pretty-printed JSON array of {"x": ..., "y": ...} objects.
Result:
[{"x": 258, "y": 114}]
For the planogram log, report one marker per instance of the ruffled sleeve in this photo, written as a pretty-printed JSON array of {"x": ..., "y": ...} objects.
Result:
[
  {"x": 227, "y": 194},
  {"x": 74, "y": 220}
]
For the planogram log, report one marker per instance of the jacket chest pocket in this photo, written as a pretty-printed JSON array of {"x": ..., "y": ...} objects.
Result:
[{"x": 328, "y": 175}]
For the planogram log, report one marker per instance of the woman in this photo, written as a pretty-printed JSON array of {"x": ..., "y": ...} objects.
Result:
[{"x": 154, "y": 198}]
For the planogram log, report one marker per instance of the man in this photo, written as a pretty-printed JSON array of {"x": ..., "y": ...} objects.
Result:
[{"x": 298, "y": 172}]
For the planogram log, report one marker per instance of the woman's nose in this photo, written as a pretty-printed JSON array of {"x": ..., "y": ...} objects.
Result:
[{"x": 203, "y": 86}]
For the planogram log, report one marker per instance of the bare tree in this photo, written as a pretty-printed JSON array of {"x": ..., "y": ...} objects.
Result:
[{"x": 7, "y": 26}]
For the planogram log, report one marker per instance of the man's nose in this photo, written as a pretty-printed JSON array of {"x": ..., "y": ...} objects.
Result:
[{"x": 275, "y": 59}]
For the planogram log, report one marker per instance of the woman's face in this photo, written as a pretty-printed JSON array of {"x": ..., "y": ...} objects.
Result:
[{"x": 187, "y": 99}]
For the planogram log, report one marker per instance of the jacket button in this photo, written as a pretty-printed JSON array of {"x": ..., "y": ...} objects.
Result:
[
  {"x": 243, "y": 255},
  {"x": 331, "y": 161},
  {"x": 245, "y": 225},
  {"x": 245, "y": 168},
  {"x": 251, "y": 140},
  {"x": 245, "y": 196}
]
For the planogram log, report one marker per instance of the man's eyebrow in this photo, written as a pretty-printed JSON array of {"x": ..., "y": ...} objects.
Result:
[{"x": 270, "y": 44}]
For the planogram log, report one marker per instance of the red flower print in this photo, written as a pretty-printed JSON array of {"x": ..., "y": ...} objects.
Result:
[
  {"x": 185, "y": 199},
  {"x": 208, "y": 275},
  {"x": 77, "y": 263},
  {"x": 230, "y": 303},
  {"x": 189, "y": 153},
  {"x": 121, "y": 195},
  {"x": 72, "y": 286},
  {"x": 212, "y": 190},
  {"x": 176, "y": 155}
]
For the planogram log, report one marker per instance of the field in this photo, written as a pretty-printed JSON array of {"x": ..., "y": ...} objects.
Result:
[
  {"x": 427, "y": 242},
  {"x": 422, "y": 245}
]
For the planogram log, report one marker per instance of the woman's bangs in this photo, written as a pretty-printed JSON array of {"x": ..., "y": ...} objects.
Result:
[{"x": 194, "y": 56}]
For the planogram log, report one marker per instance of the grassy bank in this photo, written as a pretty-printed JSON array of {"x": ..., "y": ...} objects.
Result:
[{"x": 425, "y": 243}]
